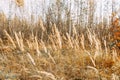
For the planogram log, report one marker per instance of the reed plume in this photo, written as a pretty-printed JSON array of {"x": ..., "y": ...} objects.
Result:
[{"x": 19, "y": 3}]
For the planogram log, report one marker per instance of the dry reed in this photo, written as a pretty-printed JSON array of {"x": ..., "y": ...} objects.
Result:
[
  {"x": 50, "y": 52},
  {"x": 19, "y": 2}
]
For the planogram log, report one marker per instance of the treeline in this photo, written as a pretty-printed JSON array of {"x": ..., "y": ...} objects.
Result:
[{"x": 67, "y": 15}]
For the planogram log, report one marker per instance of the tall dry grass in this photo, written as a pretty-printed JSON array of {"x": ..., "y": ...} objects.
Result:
[
  {"x": 19, "y": 2},
  {"x": 50, "y": 50}
]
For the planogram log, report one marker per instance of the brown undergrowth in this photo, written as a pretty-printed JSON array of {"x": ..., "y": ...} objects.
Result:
[{"x": 41, "y": 52}]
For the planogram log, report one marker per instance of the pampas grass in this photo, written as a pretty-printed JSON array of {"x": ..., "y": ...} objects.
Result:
[
  {"x": 46, "y": 50},
  {"x": 10, "y": 39},
  {"x": 19, "y": 2},
  {"x": 58, "y": 55}
]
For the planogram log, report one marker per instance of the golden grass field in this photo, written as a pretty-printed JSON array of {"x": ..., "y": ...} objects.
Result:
[{"x": 41, "y": 52}]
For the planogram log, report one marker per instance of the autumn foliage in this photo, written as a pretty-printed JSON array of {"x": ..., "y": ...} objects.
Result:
[{"x": 115, "y": 30}]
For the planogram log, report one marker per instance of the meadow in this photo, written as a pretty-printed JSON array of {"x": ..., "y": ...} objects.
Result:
[{"x": 47, "y": 50}]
